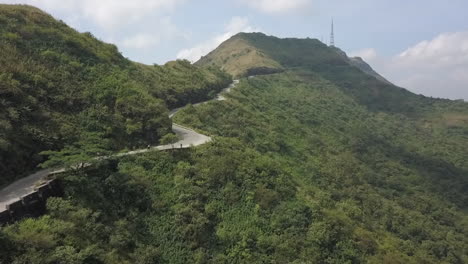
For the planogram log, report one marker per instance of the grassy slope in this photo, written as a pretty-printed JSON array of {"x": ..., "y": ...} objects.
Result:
[
  {"x": 237, "y": 56},
  {"x": 57, "y": 84}
]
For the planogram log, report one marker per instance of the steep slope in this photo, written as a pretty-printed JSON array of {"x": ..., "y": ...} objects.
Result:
[
  {"x": 359, "y": 63},
  {"x": 58, "y": 87}
]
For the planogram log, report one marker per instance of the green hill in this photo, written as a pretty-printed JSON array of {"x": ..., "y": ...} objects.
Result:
[
  {"x": 320, "y": 162},
  {"x": 275, "y": 54},
  {"x": 58, "y": 85},
  {"x": 375, "y": 164},
  {"x": 336, "y": 183},
  {"x": 239, "y": 58}
]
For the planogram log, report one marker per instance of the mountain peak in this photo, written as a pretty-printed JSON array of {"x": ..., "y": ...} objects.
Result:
[
  {"x": 249, "y": 52},
  {"x": 239, "y": 57},
  {"x": 257, "y": 52}
]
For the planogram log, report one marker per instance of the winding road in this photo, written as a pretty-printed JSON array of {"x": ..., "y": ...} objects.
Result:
[{"x": 188, "y": 138}]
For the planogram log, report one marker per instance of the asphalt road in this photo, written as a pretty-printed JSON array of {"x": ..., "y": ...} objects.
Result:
[{"x": 188, "y": 138}]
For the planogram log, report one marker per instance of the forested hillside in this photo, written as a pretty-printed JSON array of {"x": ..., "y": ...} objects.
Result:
[
  {"x": 320, "y": 163},
  {"x": 60, "y": 87},
  {"x": 384, "y": 188}
]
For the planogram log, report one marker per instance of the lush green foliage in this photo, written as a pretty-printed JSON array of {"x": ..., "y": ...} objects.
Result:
[
  {"x": 305, "y": 167},
  {"x": 394, "y": 185},
  {"x": 298, "y": 173},
  {"x": 180, "y": 83},
  {"x": 56, "y": 85}
]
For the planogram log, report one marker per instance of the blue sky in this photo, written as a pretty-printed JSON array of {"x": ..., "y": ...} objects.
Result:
[{"x": 420, "y": 45}]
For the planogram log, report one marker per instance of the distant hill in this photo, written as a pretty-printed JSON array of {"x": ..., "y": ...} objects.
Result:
[
  {"x": 273, "y": 54},
  {"x": 310, "y": 59},
  {"x": 243, "y": 55},
  {"x": 57, "y": 84}
]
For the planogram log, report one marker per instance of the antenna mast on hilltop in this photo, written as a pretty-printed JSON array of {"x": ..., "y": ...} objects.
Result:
[{"x": 332, "y": 35}]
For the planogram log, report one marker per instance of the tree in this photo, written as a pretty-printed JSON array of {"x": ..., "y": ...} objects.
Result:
[
  {"x": 169, "y": 139},
  {"x": 91, "y": 148}
]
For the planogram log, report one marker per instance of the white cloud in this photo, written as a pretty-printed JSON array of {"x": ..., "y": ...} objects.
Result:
[
  {"x": 446, "y": 50},
  {"x": 166, "y": 31},
  {"x": 141, "y": 41},
  {"x": 236, "y": 25},
  {"x": 138, "y": 27},
  {"x": 278, "y": 6},
  {"x": 105, "y": 13},
  {"x": 366, "y": 54},
  {"x": 437, "y": 67}
]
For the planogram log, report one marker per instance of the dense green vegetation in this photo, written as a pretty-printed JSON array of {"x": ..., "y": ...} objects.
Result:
[
  {"x": 298, "y": 173},
  {"x": 394, "y": 186},
  {"x": 321, "y": 163},
  {"x": 58, "y": 85}
]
